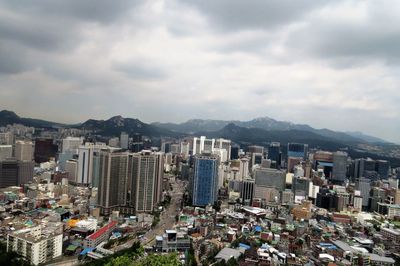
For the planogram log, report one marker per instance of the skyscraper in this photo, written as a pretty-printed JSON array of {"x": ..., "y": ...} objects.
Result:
[
  {"x": 15, "y": 173},
  {"x": 224, "y": 144},
  {"x": 297, "y": 150},
  {"x": 364, "y": 186},
  {"x": 85, "y": 162},
  {"x": 147, "y": 177},
  {"x": 247, "y": 191},
  {"x": 205, "y": 179},
  {"x": 24, "y": 150},
  {"x": 339, "y": 169},
  {"x": 5, "y": 152},
  {"x": 274, "y": 153},
  {"x": 268, "y": 177},
  {"x": 71, "y": 145},
  {"x": 44, "y": 150},
  {"x": 113, "y": 183},
  {"x": 124, "y": 141},
  {"x": 203, "y": 144}
]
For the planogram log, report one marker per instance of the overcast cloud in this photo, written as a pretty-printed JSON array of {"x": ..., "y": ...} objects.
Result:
[{"x": 329, "y": 64}]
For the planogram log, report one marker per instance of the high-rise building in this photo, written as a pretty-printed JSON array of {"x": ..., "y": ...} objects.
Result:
[
  {"x": 301, "y": 186},
  {"x": 255, "y": 149},
  {"x": 274, "y": 153},
  {"x": 113, "y": 142},
  {"x": 365, "y": 168},
  {"x": 71, "y": 167},
  {"x": 147, "y": 177},
  {"x": 235, "y": 152},
  {"x": 124, "y": 141},
  {"x": 15, "y": 173},
  {"x": 24, "y": 150},
  {"x": 71, "y": 145},
  {"x": 247, "y": 191},
  {"x": 364, "y": 186},
  {"x": 6, "y": 138},
  {"x": 85, "y": 162},
  {"x": 224, "y": 144},
  {"x": 113, "y": 183},
  {"x": 326, "y": 199},
  {"x": 44, "y": 150},
  {"x": 175, "y": 148},
  {"x": 185, "y": 147},
  {"x": 203, "y": 144},
  {"x": 268, "y": 177},
  {"x": 205, "y": 179},
  {"x": 243, "y": 168},
  {"x": 382, "y": 167},
  {"x": 339, "y": 169},
  {"x": 6, "y": 152},
  {"x": 297, "y": 150}
]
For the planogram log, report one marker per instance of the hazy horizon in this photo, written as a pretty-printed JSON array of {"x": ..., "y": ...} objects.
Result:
[{"x": 329, "y": 65}]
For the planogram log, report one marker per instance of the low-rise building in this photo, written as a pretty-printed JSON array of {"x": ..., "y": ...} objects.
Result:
[{"x": 100, "y": 235}]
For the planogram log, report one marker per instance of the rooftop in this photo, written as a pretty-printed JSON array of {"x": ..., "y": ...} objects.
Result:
[{"x": 102, "y": 230}]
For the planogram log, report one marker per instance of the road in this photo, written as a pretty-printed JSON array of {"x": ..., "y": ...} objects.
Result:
[{"x": 167, "y": 217}]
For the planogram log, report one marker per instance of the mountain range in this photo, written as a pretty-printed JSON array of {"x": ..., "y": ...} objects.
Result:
[
  {"x": 259, "y": 131},
  {"x": 206, "y": 125}
]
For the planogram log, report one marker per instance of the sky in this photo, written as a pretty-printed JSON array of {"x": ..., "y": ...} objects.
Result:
[{"x": 329, "y": 64}]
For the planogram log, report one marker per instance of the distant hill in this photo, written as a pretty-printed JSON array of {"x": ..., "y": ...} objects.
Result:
[
  {"x": 9, "y": 118},
  {"x": 266, "y": 123},
  {"x": 117, "y": 124},
  {"x": 257, "y": 136}
]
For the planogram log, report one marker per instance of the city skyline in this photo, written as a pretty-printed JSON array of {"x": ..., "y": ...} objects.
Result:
[{"x": 329, "y": 65}]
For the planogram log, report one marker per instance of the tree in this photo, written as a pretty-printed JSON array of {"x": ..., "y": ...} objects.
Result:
[{"x": 159, "y": 260}]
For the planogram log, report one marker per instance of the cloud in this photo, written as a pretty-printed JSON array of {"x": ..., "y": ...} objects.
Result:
[{"x": 329, "y": 64}]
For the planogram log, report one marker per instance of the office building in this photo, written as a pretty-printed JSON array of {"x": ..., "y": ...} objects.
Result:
[
  {"x": 205, "y": 179},
  {"x": 71, "y": 145},
  {"x": 235, "y": 152},
  {"x": 301, "y": 186},
  {"x": 297, "y": 150},
  {"x": 6, "y": 152},
  {"x": 44, "y": 150},
  {"x": 244, "y": 167},
  {"x": 326, "y": 199},
  {"x": 175, "y": 148},
  {"x": 268, "y": 177},
  {"x": 274, "y": 153},
  {"x": 85, "y": 162},
  {"x": 247, "y": 191},
  {"x": 203, "y": 144},
  {"x": 364, "y": 186},
  {"x": 71, "y": 167},
  {"x": 339, "y": 169},
  {"x": 36, "y": 244},
  {"x": 147, "y": 177},
  {"x": 15, "y": 173},
  {"x": 6, "y": 138},
  {"x": 185, "y": 148},
  {"x": 24, "y": 150},
  {"x": 382, "y": 167},
  {"x": 224, "y": 144},
  {"x": 255, "y": 149},
  {"x": 365, "y": 168},
  {"x": 124, "y": 141}
]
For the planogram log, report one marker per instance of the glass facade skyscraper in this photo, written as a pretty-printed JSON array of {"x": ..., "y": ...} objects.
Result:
[{"x": 205, "y": 180}]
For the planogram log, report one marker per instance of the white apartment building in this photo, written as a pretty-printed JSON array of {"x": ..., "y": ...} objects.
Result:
[{"x": 38, "y": 246}]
